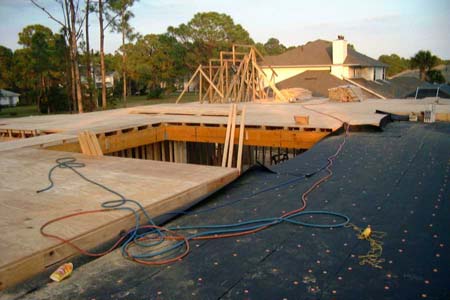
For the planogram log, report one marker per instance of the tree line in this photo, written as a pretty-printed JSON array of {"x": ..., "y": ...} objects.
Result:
[
  {"x": 423, "y": 60},
  {"x": 56, "y": 70}
]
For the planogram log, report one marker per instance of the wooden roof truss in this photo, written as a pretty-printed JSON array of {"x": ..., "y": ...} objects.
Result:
[{"x": 234, "y": 77}]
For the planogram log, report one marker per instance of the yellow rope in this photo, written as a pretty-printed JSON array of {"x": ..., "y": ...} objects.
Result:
[{"x": 373, "y": 256}]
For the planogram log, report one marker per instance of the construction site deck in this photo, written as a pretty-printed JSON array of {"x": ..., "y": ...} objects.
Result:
[{"x": 170, "y": 158}]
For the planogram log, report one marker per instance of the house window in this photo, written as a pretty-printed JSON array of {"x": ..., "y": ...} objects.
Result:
[{"x": 357, "y": 72}]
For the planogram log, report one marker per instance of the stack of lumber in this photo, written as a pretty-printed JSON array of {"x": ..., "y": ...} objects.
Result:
[
  {"x": 301, "y": 120},
  {"x": 346, "y": 93},
  {"x": 89, "y": 144},
  {"x": 295, "y": 94}
]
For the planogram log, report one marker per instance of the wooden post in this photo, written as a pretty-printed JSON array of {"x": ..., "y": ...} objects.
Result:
[
  {"x": 233, "y": 83},
  {"x": 234, "y": 55},
  {"x": 227, "y": 137},
  {"x": 150, "y": 153},
  {"x": 211, "y": 83},
  {"x": 189, "y": 83},
  {"x": 171, "y": 157},
  {"x": 183, "y": 152},
  {"x": 210, "y": 89},
  {"x": 264, "y": 155},
  {"x": 272, "y": 85},
  {"x": 241, "y": 139},
  {"x": 163, "y": 151},
  {"x": 210, "y": 80},
  {"x": 233, "y": 129},
  {"x": 156, "y": 151},
  {"x": 200, "y": 88},
  {"x": 221, "y": 79},
  {"x": 175, "y": 152},
  {"x": 225, "y": 92}
]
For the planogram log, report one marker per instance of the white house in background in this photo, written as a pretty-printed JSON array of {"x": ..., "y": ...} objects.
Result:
[
  {"x": 321, "y": 65},
  {"x": 336, "y": 57},
  {"x": 8, "y": 98},
  {"x": 97, "y": 77},
  {"x": 109, "y": 80}
]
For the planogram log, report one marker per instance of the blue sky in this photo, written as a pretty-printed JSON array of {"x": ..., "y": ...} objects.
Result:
[{"x": 374, "y": 26}]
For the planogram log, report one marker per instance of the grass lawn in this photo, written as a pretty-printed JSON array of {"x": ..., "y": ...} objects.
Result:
[
  {"x": 142, "y": 100},
  {"x": 19, "y": 111},
  {"x": 31, "y": 110}
]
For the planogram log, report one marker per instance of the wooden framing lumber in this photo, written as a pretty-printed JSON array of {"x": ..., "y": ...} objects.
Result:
[
  {"x": 89, "y": 144},
  {"x": 271, "y": 84},
  {"x": 186, "y": 88},
  {"x": 26, "y": 253},
  {"x": 233, "y": 129},
  {"x": 241, "y": 139},
  {"x": 227, "y": 137},
  {"x": 235, "y": 79},
  {"x": 211, "y": 83},
  {"x": 253, "y": 136}
]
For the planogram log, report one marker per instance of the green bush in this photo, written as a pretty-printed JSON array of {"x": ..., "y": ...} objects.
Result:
[
  {"x": 155, "y": 93},
  {"x": 435, "y": 76},
  {"x": 112, "y": 101},
  {"x": 57, "y": 101}
]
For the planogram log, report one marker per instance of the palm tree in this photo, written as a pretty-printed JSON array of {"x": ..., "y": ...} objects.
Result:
[{"x": 425, "y": 61}]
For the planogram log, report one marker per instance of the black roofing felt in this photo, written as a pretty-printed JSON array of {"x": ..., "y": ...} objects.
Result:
[
  {"x": 399, "y": 87},
  {"x": 318, "y": 82},
  {"x": 395, "y": 180}
]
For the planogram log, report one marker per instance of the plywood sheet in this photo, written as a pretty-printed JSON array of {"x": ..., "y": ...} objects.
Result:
[
  {"x": 74, "y": 122},
  {"x": 258, "y": 114},
  {"x": 158, "y": 186},
  {"x": 38, "y": 141},
  {"x": 183, "y": 109}
]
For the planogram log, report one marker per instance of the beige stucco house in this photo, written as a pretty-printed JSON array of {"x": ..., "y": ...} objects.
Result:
[
  {"x": 336, "y": 57},
  {"x": 320, "y": 65}
]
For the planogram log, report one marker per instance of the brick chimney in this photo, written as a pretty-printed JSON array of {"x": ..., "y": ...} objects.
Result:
[{"x": 339, "y": 50}]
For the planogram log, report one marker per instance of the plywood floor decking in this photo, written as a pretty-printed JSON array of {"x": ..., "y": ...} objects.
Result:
[
  {"x": 402, "y": 190},
  {"x": 275, "y": 114},
  {"x": 159, "y": 186}
]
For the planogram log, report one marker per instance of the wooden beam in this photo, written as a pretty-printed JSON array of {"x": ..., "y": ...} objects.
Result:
[
  {"x": 89, "y": 144},
  {"x": 131, "y": 139},
  {"x": 227, "y": 137},
  {"x": 253, "y": 136},
  {"x": 189, "y": 83},
  {"x": 272, "y": 85},
  {"x": 210, "y": 88},
  {"x": 233, "y": 129},
  {"x": 211, "y": 83},
  {"x": 232, "y": 86},
  {"x": 241, "y": 139},
  {"x": 200, "y": 88}
]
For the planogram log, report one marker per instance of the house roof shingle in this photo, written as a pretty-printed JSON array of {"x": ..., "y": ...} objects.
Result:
[
  {"x": 400, "y": 87},
  {"x": 318, "y": 82},
  {"x": 6, "y": 93},
  {"x": 318, "y": 52}
]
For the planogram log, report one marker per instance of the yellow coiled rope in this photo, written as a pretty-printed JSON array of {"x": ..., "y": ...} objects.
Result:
[{"x": 373, "y": 256}]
